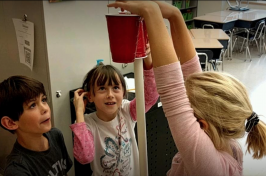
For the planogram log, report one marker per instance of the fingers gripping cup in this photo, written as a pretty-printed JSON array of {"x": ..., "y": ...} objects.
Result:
[{"x": 123, "y": 32}]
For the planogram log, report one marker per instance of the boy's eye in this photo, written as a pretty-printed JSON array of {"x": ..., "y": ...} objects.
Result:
[
  {"x": 44, "y": 99},
  {"x": 32, "y": 105}
]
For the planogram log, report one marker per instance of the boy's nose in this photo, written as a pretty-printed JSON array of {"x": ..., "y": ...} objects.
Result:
[{"x": 44, "y": 108}]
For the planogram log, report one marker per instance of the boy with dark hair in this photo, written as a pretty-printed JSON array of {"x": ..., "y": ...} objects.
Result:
[{"x": 39, "y": 148}]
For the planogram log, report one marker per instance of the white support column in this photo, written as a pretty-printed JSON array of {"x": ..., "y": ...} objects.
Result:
[{"x": 141, "y": 120}]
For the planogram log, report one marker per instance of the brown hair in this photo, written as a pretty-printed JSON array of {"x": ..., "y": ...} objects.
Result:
[
  {"x": 14, "y": 92},
  {"x": 223, "y": 102},
  {"x": 102, "y": 74}
]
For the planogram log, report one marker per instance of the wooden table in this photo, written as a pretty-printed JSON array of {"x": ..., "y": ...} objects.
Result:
[
  {"x": 209, "y": 33},
  {"x": 221, "y": 22},
  {"x": 249, "y": 20},
  {"x": 201, "y": 45},
  {"x": 226, "y": 13},
  {"x": 244, "y": 19},
  {"x": 207, "y": 43},
  {"x": 190, "y": 34},
  {"x": 218, "y": 34}
]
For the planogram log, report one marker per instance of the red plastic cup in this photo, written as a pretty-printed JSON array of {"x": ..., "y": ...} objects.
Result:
[
  {"x": 145, "y": 32},
  {"x": 142, "y": 40},
  {"x": 123, "y": 34}
]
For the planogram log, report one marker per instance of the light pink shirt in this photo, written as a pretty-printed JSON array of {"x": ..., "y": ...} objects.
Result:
[{"x": 197, "y": 155}]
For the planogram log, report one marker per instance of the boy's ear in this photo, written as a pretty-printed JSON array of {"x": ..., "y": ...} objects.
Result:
[
  {"x": 203, "y": 124},
  {"x": 8, "y": 123}
]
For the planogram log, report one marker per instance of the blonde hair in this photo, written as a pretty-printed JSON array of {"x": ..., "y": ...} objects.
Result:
[{"x": 222, "y": 101}]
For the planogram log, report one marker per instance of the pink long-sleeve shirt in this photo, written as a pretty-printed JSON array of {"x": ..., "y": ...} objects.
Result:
[{"x": 197, "y": 155}]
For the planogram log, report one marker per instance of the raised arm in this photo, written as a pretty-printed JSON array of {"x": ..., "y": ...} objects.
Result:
[
  {"x": 179, "y": 32},
  {"x": 191, "y": 141},
  {"x": 83, "y": 139},
  {"x": 183, "y": 44}
]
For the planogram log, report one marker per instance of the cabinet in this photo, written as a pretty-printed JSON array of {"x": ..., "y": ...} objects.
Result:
[{"x": 189, "y": 10}]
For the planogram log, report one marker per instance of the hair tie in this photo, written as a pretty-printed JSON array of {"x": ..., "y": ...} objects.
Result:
[{"x": 252, "y": 121}]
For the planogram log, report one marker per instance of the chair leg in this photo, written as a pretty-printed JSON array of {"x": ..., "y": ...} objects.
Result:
[
  {"x": 242, "y": 45},
  {"x": 247, "y": 51},
  {"x": 234, "y": 44},
  {"x": 257, "y": 45},
  {"x": 264, "y": 47}
]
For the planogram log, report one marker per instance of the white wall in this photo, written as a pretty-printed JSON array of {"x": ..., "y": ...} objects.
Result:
[{"x": 209, "y": 6}]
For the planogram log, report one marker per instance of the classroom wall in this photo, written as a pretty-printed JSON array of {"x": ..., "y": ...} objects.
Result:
[{"x": 210, "y": 6}]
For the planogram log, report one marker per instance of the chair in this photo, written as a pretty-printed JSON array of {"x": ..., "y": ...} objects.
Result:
[
  {"x": 251, "y": 35},
  {"x": 220, "y": 60},
  {"x": 207, "y": 26},
  {"x": 210, "y": 25},
  {"x": 262, "y": 40},
  {"x": 228, "y": 50},
  {"x": 205, "y": 57}
]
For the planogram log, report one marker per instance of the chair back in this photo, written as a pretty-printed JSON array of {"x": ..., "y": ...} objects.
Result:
[
  {"x": 204, "y": 57},
  {"x": 208, "y": 26}
]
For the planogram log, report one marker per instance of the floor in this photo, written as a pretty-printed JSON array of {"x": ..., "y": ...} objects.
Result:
[{"x": 253, "y": 76}]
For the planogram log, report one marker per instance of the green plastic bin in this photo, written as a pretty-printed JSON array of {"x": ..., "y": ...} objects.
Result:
[
  {"x": 187, "y": 3},
  {"x": 189, "y": 26},
  {"x": 185, "y": 16},
  {"x": 189, "y": 15},
  {"x": 178, "y": 4}
]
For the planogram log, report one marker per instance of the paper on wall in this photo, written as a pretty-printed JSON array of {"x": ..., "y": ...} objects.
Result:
[{"x": 25, "y": 38}]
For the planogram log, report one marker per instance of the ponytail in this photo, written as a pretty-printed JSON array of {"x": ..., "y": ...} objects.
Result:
[{"x": 256, "y": 140}]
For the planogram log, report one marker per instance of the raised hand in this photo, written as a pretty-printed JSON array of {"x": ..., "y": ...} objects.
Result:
[
  {"x": 167, "y": 9},
  {"x": 147, "y": 64},
  {"x": 135, "y": 7},
  {"x": 80, "y": 104}
]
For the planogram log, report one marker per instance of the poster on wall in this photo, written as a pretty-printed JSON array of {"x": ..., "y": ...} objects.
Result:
[{"x": 25, "y": 39}]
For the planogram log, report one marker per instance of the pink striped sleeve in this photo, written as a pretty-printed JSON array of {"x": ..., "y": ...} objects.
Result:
[
  {"x": 150, "y": 93},
  {"x": 191, "y": 66},
  {"x": 83, "y": 143}
]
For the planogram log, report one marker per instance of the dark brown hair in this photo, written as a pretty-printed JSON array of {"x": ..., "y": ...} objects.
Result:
[{"x": 14, "y": 92}]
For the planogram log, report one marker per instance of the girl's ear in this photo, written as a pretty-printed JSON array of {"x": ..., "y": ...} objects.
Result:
[
  {"x": 203, "y": 124},
  {"x": 8, "y": 123},
  {"x": 89, "y": 96}
]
